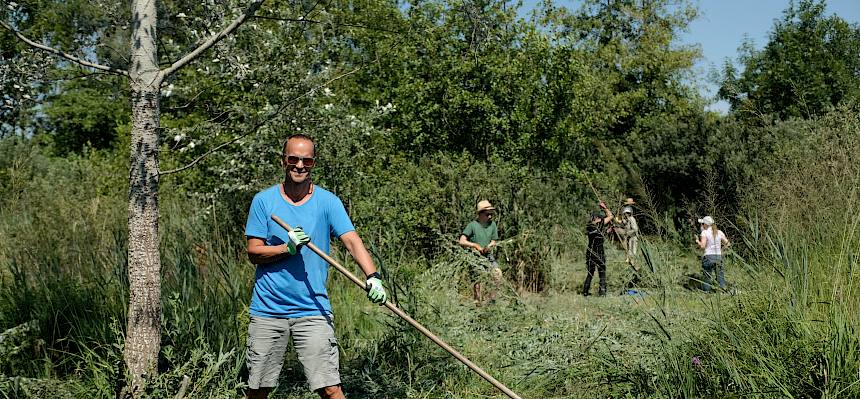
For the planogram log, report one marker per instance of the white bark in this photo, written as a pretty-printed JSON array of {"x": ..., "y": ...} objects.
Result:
[{"x": 143, "y": 336}]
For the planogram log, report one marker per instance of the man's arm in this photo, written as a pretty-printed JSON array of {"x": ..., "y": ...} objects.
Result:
[
  {"x": 634, "y": 228},
  {"x": 259, "y": 253},
  {"x": 608, "y": 218},
  {"x": 703, "y": 242},
  {"x": 356, "y": 248},
  {"x": 375, "y": 291},
  {"x": 465, "y": 243}
]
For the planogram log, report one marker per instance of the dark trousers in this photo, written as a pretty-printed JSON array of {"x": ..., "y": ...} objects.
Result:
[
  {"x": 711, "y": 263},
  {"x": 592, "y": 263}
]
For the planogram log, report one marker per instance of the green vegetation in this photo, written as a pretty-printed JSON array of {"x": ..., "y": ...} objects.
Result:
[{"x": 444, "y": 103}]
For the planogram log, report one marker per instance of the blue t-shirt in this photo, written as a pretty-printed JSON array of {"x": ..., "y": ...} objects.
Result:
[{"x": 294, "y": 287}]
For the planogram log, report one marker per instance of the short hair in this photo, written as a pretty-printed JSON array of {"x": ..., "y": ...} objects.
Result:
[{"x": 299, "y": 136}]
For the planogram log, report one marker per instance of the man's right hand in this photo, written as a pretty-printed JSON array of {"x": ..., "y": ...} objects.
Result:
[
  {"x": 479, "y": 248},
  {"x": 297, "y": 237}
]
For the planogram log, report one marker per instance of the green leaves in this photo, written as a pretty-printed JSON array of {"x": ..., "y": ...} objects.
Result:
[{"x": 809, "y": 65}]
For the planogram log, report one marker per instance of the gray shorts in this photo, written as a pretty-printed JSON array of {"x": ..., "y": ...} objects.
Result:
[{"x": 313, "y": 340}]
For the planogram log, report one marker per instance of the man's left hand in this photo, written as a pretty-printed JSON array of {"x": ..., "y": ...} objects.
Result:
[{"x": 375, "y": 291}]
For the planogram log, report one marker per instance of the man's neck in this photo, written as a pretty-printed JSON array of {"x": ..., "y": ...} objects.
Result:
[{"x": 296, "y": 192}]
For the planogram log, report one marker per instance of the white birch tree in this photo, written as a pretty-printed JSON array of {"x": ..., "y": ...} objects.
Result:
[{"x": 145, "y": 77}]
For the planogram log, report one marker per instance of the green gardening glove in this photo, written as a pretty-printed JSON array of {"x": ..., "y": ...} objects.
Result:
[
  {"x": 297, "y": 238},
  {"x": 375, "y": 291}
]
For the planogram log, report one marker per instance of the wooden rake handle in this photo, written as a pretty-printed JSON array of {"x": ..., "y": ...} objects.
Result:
[{"x": 406, "y": 317}]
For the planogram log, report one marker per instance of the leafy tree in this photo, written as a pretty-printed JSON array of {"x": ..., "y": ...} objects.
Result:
[
  {"x": 82, "y": 115},
  {"x": 810, "y": 64},
  {"x": 145, "y": 77}
]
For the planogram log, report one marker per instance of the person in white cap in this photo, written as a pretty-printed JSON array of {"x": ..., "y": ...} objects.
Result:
[
  {"x": 712, "y": 240},
  {"x": 481, "y": 235}
]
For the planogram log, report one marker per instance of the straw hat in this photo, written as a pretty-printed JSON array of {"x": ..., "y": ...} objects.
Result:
[
  {"x": 484, "y": 205},
  {"x": 629, "y": 201}
]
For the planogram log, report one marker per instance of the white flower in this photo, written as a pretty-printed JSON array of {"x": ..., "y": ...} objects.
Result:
[
  {"x": 216, "y": 60},
  {"x": 181, "y": 15},
  {"x": 256, "y": 85},
  {"x": 328, "y": 107},
  {"x": 178, "y": 137},
  {"x": 328, "y": 92},
  {"x": 191, "y": 145}
]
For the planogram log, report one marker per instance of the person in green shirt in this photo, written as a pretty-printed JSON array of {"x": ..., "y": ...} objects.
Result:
[{"x": 481, "y": 236}]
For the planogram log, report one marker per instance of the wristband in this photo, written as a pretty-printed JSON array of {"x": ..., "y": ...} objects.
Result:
[{"x": 374, "y": 274}]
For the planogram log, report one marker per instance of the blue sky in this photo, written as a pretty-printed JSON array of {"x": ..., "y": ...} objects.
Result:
[{"x": 723, "y": 24}]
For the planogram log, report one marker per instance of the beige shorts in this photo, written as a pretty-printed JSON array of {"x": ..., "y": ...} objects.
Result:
[{"x": 313, "y": 340}]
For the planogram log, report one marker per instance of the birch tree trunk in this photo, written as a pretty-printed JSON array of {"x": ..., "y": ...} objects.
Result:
[{"x": 143, "y": 336}]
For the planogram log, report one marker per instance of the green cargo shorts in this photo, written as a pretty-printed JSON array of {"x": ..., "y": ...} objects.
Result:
[{"x": 313, "y": 340}]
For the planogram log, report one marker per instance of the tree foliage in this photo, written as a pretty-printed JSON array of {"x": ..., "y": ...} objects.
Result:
[{"x": 810, "y": 64}]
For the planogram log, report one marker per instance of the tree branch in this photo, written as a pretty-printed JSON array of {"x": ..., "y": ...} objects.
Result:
[
  {"x": 259, "y": 124},
  {"x": 214, "y": 39},
  {"x": 61, "y": 54}
]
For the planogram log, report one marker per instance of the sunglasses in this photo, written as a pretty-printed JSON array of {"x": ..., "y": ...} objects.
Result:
[{"x": 294, "y": 160}]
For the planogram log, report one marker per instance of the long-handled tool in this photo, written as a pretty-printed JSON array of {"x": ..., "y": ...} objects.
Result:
[{"x": 406, "y": 317}]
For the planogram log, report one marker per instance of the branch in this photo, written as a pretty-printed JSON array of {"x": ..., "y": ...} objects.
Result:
[
  {"x": 259, "y": 124},
  {"x": 62, "y": 54},
  {"x": 214, "y": 39}
]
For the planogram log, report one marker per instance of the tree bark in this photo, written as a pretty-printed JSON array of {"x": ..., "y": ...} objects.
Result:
[{"x": 143, "y": 335}]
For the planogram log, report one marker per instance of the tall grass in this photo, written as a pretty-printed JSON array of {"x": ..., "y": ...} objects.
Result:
[
  {"x": 796, "y": 333},
  {"x": 789, "y": 330}
]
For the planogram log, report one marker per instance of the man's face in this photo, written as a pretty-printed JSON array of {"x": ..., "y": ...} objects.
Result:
[
  {"x": 298, "y": 159},
  {"x": 485, "y": 216}
]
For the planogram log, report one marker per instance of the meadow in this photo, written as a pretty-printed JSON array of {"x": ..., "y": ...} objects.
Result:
[{"x": 787, "y": 327}]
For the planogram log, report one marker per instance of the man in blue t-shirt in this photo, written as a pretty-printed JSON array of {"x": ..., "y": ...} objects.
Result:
[{"x": 290, "y": 297}]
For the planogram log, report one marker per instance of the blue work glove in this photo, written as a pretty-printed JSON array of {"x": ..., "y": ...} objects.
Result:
[
  {"x": 375, "y": 291},
  {"x": 297, "y": 238}
]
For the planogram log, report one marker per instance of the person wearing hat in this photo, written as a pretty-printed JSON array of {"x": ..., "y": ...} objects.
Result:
[
  {"x": 630, "y": 233},
  {"x": 712, "y": 240},
  {"x": 595, "y": 257},
  {"x": 481, "y": 236}
]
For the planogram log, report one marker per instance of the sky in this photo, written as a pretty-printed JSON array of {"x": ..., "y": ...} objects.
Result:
[{"x": 723, "y": 25}]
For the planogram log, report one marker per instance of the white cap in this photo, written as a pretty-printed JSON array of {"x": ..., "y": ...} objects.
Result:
[{"x": 707, "y": 220}]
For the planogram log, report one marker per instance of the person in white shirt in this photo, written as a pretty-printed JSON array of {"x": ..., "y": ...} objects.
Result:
[{"x": 712, "y": 240}]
